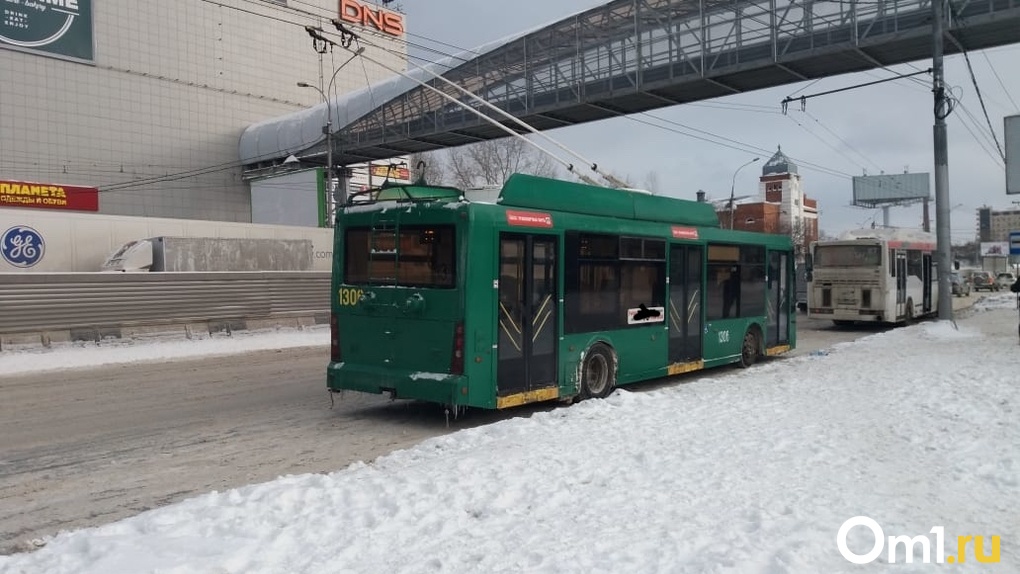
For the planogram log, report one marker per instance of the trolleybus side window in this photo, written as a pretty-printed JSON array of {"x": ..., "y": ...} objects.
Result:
[
  {"x": 736, "y": 281},
  {"x": 416, "y": 256},
  {"x": 752, "y": 281},
  {"x": 723, "y": 274},
  {"x": 606, "y": 275},
  {"x": 592, "y": 280},
  {"x": 642, "y": 274}
]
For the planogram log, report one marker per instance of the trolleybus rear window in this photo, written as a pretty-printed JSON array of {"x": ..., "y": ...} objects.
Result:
[
  {"x": 848, "y": 256},
  {"x": 411, "y": 256}
]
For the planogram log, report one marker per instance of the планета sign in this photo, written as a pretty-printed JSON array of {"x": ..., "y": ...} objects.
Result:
[{"x": 48, "y": 196}]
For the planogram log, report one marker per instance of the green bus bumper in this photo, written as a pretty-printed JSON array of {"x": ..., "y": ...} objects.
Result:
[{"x": 440, "y": 388}]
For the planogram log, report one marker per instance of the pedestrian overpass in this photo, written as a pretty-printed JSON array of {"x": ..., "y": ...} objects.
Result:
[{"x": 624, "y": 57}]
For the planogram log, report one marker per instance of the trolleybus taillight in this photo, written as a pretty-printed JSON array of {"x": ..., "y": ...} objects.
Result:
[
  {"x": 335, "y": 354},
  {"x": 457, "y": 358}
]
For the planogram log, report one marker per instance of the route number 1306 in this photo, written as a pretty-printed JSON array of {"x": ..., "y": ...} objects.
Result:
[{"x": 348, "y": 297}]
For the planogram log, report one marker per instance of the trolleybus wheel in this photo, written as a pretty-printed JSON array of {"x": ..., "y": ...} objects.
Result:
[
  {"x": 749, "y": 349},
  {"x": 598, "y": 373}
]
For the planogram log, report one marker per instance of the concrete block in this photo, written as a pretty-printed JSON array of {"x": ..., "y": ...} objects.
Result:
[
  {"x": 19, "y": 340},
  {"x": 306, "y": 321},
  {"x": 153, "y": 331},
  {"x": 48, "y": 338},
  {"x": 227, "y": 326},
  {"x": 275, "y": 323},
  {"x": 196, "y": 330}
]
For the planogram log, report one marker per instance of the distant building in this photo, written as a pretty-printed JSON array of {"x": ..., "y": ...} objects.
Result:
[
  {"x": 997, "y": 225},
  {"x": 780, "y": 206}
]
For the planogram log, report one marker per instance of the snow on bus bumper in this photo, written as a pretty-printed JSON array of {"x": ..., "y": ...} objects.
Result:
[{"x": 433, "y": 387}]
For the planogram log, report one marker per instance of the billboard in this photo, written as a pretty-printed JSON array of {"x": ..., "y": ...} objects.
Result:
[
  {"x": 994, "y": 249},
  {"x": 58, "y": 28},
  {"x": 1012, "y": 133},
  {"x": 48, "y": 196},
  {"x": 876, "y": 190},
  {"x": 290, "y": 199}
]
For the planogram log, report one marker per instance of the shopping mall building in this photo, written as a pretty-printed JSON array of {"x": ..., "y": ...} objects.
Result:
[{"x": 141, "y": 103}]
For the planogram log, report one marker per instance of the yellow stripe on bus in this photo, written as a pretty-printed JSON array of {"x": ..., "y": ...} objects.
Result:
[
  {"x": 527, "y": 397},
  {"x": 777, "y": 350},
  {"x": 679, "y": 368}
]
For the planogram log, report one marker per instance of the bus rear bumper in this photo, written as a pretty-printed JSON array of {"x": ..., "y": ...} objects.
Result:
[
  {"x": 440, "y": 388},
  {"x": 844, "y": 315}
]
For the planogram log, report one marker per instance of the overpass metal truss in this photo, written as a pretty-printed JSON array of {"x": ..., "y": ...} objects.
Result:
[{"x": 629, "y": 56}]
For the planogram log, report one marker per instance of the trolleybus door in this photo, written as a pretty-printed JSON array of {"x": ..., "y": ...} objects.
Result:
[
  {"x": 527, "y": 313},
  {"x": 901, "y": 283},
  {"x": 778, "y": 304},
  {"x": 686, "y": 265}
]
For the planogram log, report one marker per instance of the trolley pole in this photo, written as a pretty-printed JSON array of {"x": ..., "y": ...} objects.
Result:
[{"x": 942, "y": 234}]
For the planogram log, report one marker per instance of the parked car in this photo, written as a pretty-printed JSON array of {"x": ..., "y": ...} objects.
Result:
[
  {"x": 983, "y": 280},
  {"x": 1005, "y": 280},
  {"x": 961, "y": 287}
]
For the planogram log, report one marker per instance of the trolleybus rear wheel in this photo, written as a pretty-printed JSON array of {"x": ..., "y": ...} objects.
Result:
[
  {"x": 749, "y": 349},
  {"x": 598, "y": 372}
]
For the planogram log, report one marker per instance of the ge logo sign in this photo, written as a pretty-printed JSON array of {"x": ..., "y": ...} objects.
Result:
[{"x": 22, "y": 246}]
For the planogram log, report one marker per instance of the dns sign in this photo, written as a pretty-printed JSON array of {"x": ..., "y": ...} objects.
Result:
[{"x": 382, "y": 20}]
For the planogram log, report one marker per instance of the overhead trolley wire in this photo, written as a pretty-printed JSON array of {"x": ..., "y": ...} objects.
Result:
[{"x": 741, "y": 146}]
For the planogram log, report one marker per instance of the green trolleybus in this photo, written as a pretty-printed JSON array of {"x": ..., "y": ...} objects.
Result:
[{"x": 557, "y": 290}]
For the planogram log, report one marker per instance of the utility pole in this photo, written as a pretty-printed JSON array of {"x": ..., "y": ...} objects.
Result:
[
  {"x": 733, "y": 184},
  {"x": 942, "y": 110}
]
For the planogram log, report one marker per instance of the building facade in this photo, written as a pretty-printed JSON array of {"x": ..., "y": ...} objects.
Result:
[
  {"x": 996, "y": 225},
  {"x": 779, "y": 207},
  {"x": 146, "y": 99}
]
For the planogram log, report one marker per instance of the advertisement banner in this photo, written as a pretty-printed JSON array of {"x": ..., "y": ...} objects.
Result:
[
  {"x": 994, "y": 248},
  {"x": 59, "y": 28},
  {"x": 392, "y": 172},
  {"x": 48, "y": 196}
]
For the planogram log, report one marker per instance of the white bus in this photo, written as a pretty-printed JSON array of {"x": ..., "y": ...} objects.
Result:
[{"x": 876, "y": 275}]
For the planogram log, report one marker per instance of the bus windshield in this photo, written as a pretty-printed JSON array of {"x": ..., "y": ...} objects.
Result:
[
  {"x": 414, "y": 256},
  {"x": 848, "y": 256}
]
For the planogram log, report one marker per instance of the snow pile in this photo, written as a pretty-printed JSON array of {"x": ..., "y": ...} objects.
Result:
[{"x": 1005, "y": 300}]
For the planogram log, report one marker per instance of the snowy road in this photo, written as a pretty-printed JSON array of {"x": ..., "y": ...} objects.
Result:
[{"x": 91, "y": 446}]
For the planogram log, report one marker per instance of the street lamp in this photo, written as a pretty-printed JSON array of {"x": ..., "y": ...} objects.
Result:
[
  {"x": 327, "y": 130},
  {"x": 335, "y": 197},
  {"x": 734, "y": 183}
]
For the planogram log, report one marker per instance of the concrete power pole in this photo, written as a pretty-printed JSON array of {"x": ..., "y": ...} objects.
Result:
[{"x": 942, "y": 110}]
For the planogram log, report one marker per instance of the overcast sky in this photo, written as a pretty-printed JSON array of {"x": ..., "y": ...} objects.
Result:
[{"x": 887, "y": 127}]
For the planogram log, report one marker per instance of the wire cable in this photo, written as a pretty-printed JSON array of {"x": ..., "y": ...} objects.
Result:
[
  {"x": 1001, "y": 84},
  {"x": 981, "y": 99}
]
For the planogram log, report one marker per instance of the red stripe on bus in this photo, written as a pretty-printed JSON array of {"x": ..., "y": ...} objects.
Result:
[
  {"x": 529, "y": 218},
  {"x": 685, "y": 233}
]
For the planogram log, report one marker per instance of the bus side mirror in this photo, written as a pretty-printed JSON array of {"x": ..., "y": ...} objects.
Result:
[
  {"x": 809, "y": 267},
  {"x": 956, "y": 265}
]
